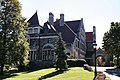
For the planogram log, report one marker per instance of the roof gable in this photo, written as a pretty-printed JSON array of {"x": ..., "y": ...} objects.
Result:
[
  {"x": 74, "y": 25},
  {"x": 33, "y": 21},
  {"x": 67, "y": 34},
  {"x": 68, "y": 30},
  {"x": 100, "y": 51}
]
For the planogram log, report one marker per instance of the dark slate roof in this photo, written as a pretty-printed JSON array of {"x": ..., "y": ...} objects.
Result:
[
  {"x": 89, "y": 36},
  {"x": 99, "y": 50},
  {"x": 48, "y": 28},
  {"x": 33, "y": 21},
  {"x": 74, "y": 25},
  {"x": 68, "y": 31}
]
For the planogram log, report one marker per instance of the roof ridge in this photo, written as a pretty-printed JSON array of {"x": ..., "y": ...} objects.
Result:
[
  {"x": 88, "y": 32},
  {"x": 72, "y": 21}
]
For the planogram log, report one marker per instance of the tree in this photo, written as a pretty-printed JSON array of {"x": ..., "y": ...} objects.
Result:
[
  {"x": 112, "y": 40},
  {"x": 61, "y": 55},
  {"x": 14, "y": 47}
]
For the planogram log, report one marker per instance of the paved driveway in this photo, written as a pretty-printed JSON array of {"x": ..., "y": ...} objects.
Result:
[{"x": 112, "y": 72}]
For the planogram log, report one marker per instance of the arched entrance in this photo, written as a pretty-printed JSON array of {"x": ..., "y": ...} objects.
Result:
[
  {"x": 100, "y": 61},
  {"x": 101, "y": 58}
]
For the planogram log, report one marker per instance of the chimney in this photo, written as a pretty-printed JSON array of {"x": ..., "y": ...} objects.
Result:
[
  {"x": 94, "y": 34},
  {"x": 62, "y": 19},
  {"x": 51, "y": 18}
]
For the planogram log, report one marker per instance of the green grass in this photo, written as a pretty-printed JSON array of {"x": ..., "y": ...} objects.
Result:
[{"x": 76, "y": 73}]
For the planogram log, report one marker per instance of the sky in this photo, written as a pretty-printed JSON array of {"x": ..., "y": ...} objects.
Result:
[{"x": 99, "y": 13}]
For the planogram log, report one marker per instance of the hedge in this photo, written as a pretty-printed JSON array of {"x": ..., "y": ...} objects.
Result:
[{"x": 76, "y": 62}]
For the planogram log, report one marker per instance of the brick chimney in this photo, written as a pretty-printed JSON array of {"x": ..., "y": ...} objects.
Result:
[
  {"x": 51, "y": 18},
  {"x": 62, "y": 19}
]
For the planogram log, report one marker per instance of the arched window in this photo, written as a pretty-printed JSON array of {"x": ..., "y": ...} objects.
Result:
[{"x": 48, "y": 52}]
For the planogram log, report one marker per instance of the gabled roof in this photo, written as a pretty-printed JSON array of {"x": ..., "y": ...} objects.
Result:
[
  {"x": 69, "y": 30},
  {"x": 74, "y": 25},
  {"x": 89, "y": 36},
  {"x": 33, "y": 21},
  {"x": 99, "y": 50}
]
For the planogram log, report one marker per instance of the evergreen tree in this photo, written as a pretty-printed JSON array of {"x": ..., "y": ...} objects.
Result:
[
  {"x": 61, "y": 63},
  {"x": 112, "y": 41},
  {"x": 14, "y": 47}
]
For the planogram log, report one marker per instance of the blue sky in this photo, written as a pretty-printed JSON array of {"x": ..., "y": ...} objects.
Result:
[{"x": 99, "y": 13}]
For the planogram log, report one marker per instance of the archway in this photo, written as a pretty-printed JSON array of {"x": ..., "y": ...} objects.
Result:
[
  {"x": 100, "y": 61},
  {"x": 103, "y": 56}
]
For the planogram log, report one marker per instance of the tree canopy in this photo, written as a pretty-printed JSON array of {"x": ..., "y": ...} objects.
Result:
[
  {"x": 14, "y": 47},
  {"x": 111, "y": 40}
]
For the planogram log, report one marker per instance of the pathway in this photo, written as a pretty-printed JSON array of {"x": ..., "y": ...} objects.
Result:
[{"x": 113, "y": 73}]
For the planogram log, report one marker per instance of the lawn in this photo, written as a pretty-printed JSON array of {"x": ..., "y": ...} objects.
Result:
[{"x": 76, "y": 73}]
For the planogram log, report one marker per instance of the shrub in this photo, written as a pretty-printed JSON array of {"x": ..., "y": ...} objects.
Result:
[
  {"x": 76, "y": 62},
  {"x": 21, "y": 67},
  {"x": 115, "y": 62},
  {"x": 112, "y": 63},
  {"x": 7, "y": 67},
  {"x": 40, "y": 65}
]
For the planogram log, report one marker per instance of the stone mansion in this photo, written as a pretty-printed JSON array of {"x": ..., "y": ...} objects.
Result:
[{"x": 43, "y": 39}]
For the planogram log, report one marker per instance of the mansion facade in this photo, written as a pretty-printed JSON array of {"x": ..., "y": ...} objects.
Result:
[{"x": 43, "y": 39}]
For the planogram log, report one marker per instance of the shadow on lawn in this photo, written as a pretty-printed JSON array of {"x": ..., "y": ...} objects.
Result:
[
  {"x": 114, "y": 71},
  {"x": 8, "y": 74},
  {"x": 12, "y": 73},
  {"x": 51, "y": 74}
]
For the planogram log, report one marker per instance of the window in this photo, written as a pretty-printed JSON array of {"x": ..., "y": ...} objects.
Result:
[
  {"x": 32, "y": 55},
  {"x": 35, "y": 30},
  {"x": 48, "y": 52},
  {"x": 30, "y": 31},
  {"x": 33, "y": 42}
]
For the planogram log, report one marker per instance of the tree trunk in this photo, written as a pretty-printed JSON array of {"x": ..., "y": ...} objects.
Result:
[{"x": 2, "y": 67}]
